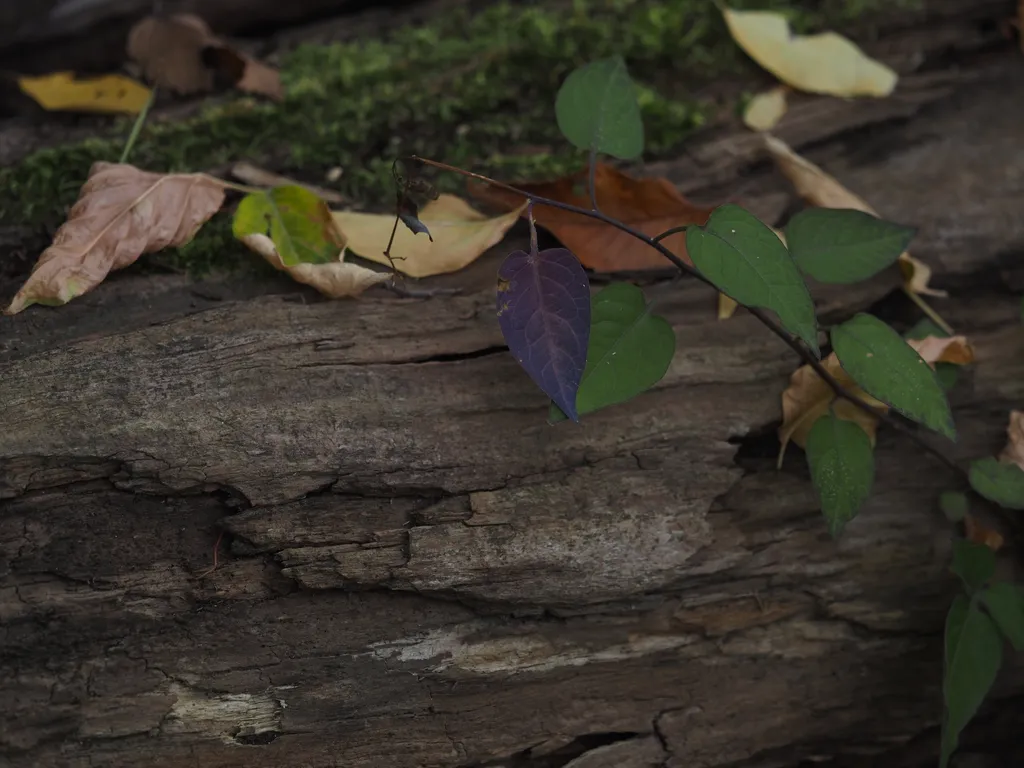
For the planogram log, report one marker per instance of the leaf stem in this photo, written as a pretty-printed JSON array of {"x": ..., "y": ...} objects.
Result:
[
  {"x": 592, "y": 181},
  {"x": 137, "y": 127},
  {"x": 796, "y": 345}
]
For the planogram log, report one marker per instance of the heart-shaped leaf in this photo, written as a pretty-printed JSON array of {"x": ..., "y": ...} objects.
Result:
[
  {"x": 543, "y": 306},
  {"x": 597, "y": 110},
  {"x": 630, "y": 350},
  {"x": 835, "y": 245},
  {"x": 748, "y": 262},
  {"x": 299, "y": 223},
  {"x": 885, "y": 366}
]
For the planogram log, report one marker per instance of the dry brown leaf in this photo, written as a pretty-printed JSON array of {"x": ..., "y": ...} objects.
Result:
[
  {"x": 336, "y": 279},
  {"x": 1013, "y": 453},
  {"x": 651, "y": 205},
  {"x": 260, "y": 177},
  {"x": 726, "y": 306},
  {"x": 808, "y": 396},
  {"x": 820, "y": 189},
  {"x": 459, "y": 236},
  {"x": 182, "y": 54},
  {"x": 949, "y": 349},
  {"x": 975, "y": 530},
  {"x": 121, "y": 213}
]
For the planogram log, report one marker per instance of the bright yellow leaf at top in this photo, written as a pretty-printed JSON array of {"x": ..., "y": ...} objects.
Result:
[
  {"x": 61, "y": 91},
  {"x": 822, "y": 63}
]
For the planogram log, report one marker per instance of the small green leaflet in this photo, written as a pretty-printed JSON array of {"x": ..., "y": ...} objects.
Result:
[
  {"x": 597, "y": 110},
  {"x": 842, "y": 468},
  {"x": 299, "y": 223},
  {"x": 954, "y": 505},
  {"x": 1005, "y": 604},
  {"x": 748, "y": 262},
  {"x": 629, "y": 351},
  {"x": 885, "y": 366},
  {"x": 974, "y": 653},
  {"x": 998, "y": 482},
  {"x": 974, "y": 563},
  {"x": 834, "y": 245}
]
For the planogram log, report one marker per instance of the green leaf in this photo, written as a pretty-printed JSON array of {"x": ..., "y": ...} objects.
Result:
[
  {"x": 888, "y": 368},
  {"x": 974, "y": 563},
  {"x": 842, "y": 469},
  {"x": 299, "y": 223},
  {"x": 954, "y": 505},
  {"x": 974, "y": 653},
  {"x": 629, "y": 350},
  {"x": 597, "y": 109},
  {"x": 748, "y": 262},
  {"x": 834, "y": 245},
  {"x": 924, "y": 328},
  {"x": 1006, "y": 605},
  {"x": 998, "y": 482}
]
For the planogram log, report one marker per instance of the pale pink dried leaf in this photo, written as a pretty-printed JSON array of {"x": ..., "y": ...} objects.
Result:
[{"x": 121, "y": 213}]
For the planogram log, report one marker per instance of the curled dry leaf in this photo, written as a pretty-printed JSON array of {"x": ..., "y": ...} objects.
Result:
[
  {"x": 1013, "y": 453},
  {"x": 459, "y": 236},
  {"x": 949, "y": 349},
  {"x": 766, "y": 109},
  {"x": 62, "y": 91},
  {"x": 823, "y": 63},
  {"x": 336, "y": 279},
  {"x": 808, "y": 396},
  {"x": 651, "y": 205},
  {"x": 182, "y": 54},
  {"x": 821, "y": 189},
  {"x": 260, "y": 177},
  {"x": 121, "y": 213}
]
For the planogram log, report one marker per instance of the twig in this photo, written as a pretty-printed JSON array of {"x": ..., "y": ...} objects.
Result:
[
  {"x": 419, "y": 293},
  {"x": 796, "y": 345},
  {"x": 137, "y": 127}
]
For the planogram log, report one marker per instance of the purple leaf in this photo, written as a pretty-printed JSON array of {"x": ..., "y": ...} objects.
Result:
[{"x": 544, "y": 314}]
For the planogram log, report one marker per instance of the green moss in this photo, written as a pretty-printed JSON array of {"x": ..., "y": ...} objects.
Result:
[{"x": 474, "y": 91}]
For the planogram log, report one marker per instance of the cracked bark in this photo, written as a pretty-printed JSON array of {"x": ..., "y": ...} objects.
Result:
[{"x": 422, "y": 573}]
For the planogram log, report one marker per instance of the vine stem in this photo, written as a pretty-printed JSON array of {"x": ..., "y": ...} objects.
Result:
[
  {"x": 655, "y": 242},
  {"x": 137, "y": 127}
]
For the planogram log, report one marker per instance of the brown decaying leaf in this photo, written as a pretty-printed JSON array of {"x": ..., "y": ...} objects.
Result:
[
  {"x": 808, "y": 396},
  {"x": 260, "y": 177},
  {"x": 938, "y": 349},
  {"x": 182, "y": 54},
  {"x": 1013, "y": 453},
  {"x": 121, "y": 213},
  {"x": 337, "y": 279},
  {"x": 651, "y": 205},
  {"x": 820, "y": 189},
  {"x": 975, "y": 530}
]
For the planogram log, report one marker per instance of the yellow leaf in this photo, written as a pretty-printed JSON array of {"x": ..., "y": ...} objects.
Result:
[
  {"x": 765, "y": 109},
  {"x": 120, "y": 214},
  {"x": 808, "y": 396},
  {"x": 726, "y": 307},
  {"x": 109, "y": 93},
  {"x": 820, "y": 189},
  {"x": 335, "y": 279},
  {"x": 823, "y": 63},
  {"x": 460, "y": 234},
  {"x": 950, "y": 349}
]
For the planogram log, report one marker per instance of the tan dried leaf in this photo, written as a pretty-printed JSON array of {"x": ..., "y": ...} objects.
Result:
[
  {"x": 1013, "y": 453},
  {"x": 949, "y": 349},
  {"x": 182, "y": 54},
  {"x": 121, "y": 213},
  {"x": 336, "y": 279},
  {"x": 820, "y": 189},
  {"x": 808, "y": 397}
]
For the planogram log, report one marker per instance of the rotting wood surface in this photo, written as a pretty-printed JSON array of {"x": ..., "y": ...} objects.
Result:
[{"x": 423, "y": 573}]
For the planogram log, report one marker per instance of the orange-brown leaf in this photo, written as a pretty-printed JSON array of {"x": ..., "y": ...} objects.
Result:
[
  {"x": 651, "y": 205},
  {"x": 948, "y": 349},
  {"x": 975, "y": 530},
  {"x": 121, "y": 213}
]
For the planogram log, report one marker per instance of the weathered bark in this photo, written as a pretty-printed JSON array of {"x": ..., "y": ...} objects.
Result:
[{"x": 423, "y": 573}]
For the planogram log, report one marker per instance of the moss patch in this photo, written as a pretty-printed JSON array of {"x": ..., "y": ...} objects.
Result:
[{"x": 474, "y": 91}]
